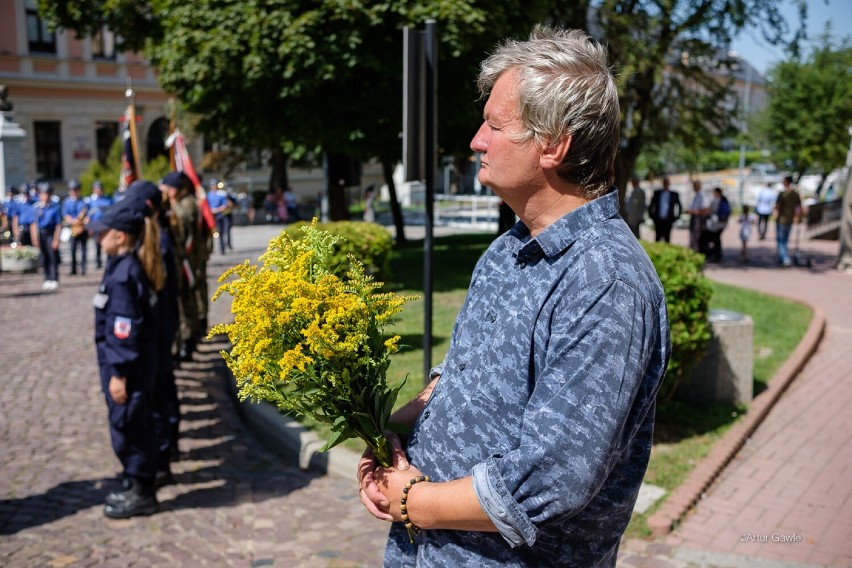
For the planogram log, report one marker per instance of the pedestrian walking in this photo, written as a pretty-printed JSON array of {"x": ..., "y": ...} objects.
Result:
[
  {"x": 788, "y": 208},
  {"x": 74, "y": 212},
  {"x": 49, "y": 222},
  {"x": 766, "y": 197},
  {"x": 746, "y": 223},
  {"x": 126, "y": 340},
  {"x": 522, "y": 453},
  {"x": 664, "y": 210}
]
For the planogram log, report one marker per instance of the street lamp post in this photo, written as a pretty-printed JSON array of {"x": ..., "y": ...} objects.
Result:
[{"x": 744, "y": 129}]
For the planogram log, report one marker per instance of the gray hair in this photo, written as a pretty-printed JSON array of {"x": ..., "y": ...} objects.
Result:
[{"x": 564, "y": 88}]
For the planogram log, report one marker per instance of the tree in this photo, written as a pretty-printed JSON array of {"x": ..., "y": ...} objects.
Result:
[
  {"x": 109, "y": 172},
  {"x": 809, "y": 111},
  {"x": 325, "y": 75},
  {"x": 671, "y": 57}
]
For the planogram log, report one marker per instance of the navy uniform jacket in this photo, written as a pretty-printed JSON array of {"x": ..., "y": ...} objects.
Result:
[{"x": 126, "y": 324}]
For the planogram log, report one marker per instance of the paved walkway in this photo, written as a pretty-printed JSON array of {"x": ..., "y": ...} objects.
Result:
[
  {"x": 237, "y": 503},
  {"x": 786, "y": 499}
]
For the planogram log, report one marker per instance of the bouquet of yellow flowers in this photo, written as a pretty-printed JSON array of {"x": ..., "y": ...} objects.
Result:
[{"x": 310, "y": 341}]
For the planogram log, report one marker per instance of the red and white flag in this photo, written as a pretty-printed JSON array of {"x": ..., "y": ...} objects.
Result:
[{"x": 183, "y": 163}]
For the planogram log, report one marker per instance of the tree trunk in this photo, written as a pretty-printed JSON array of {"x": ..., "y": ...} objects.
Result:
[
  {"x": 337, "y": 208},
  {"x": 279, "y": 177},
  {"x": 396, "y": 210}
]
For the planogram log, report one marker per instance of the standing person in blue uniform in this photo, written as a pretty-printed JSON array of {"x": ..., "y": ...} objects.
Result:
[
  {"x": 98, "y": 204},
  {"x": 166, "y": 404},
  {"x": 24, "y": 227},
  {"x": 126, "y": 330},
  {"x": 535, "y": 431},
  {"x": 5, "y": 211},
  {"x": 220, "y": 206},
  {"x": 74, "y": 212},
  {"x": 49, "y": 222}
]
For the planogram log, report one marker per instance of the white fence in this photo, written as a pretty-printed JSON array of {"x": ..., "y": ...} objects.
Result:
[{"x": 469, "y": 211}]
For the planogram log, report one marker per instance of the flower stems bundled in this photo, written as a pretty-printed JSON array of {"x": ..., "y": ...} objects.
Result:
[{"x": 310, "y": 341}]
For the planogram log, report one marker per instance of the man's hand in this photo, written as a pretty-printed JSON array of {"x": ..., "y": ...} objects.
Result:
[
  {"x": 118, "y": 389},
  {"x": 371, "y": 496},
  {"x": 390, "y": 483}
]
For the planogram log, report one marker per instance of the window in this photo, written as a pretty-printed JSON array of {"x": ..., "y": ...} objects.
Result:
[
  {"x": 41, "y": 39},
  {"x": 48, "y": 149},
  {"x": 103, "y": 44},
  {"x": 105, "y": 135}
]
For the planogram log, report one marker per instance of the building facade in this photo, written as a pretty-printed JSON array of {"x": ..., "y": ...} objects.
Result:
[{"x": 69, "y": 94}]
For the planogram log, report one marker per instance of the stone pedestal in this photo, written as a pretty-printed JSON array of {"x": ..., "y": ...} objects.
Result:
[
  {"x": 725, "y": 374},
  {"x": 12, "y": 137}
]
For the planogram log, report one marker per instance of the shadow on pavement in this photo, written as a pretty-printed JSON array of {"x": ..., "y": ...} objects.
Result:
[{"x": 219, "y": 465}]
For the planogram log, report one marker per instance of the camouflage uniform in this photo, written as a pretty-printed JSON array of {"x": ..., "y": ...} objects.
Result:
[{"x": 191, "y": 253}]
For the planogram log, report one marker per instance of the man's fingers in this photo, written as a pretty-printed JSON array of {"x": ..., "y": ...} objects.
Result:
[
  {"x": 399, "y": 460},
  {"x": 372, "y": 509}
]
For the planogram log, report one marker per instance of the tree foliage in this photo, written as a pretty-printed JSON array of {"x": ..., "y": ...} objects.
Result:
[
  {"x": 108, "y": 173},
  {"x": 301, "y": 75},
  {"x": 809, "y": 111}
]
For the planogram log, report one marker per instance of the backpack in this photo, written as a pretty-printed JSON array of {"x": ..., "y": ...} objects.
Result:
[{"x": 724, "y": 210}]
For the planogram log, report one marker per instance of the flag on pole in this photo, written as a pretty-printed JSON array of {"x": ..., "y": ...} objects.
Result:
[
  {"x": 130, "y": 170},
  {"x": 183, "y": 163}
]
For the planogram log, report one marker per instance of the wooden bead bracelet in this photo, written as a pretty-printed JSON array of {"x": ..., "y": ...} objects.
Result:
[{"x": 403, "y": 508}]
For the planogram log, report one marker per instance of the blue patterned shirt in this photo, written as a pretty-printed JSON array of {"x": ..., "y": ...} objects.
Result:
[{"x": 546, "y": 396}]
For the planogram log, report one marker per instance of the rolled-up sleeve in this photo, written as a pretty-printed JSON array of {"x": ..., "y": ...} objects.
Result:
[{"x": 582, "y": 412}]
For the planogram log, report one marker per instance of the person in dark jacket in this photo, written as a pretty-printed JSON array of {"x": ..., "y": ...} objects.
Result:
[
  {"x": 126, "y": 328},
  {"x": 166, "y": 411},
  {"x": 664, "y": 209}
]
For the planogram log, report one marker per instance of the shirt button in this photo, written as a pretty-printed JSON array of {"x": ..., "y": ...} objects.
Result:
[
  {"x": 426, "y": 414},
  {"x": 462, "y": 366}
]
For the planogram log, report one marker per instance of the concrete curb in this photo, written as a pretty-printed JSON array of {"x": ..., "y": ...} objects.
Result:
[
  {"x": 289, "y": 438},
  {"x": 682, "y": 499}
]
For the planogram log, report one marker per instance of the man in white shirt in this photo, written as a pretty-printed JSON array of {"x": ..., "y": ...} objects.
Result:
[{"x": 765, "y": 206}]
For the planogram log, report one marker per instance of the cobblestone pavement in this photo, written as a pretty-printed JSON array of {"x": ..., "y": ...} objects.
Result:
[{"x": 236, "y": 503}]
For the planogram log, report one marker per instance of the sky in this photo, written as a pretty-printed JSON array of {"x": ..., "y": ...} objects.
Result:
[{"x": 753, "y": 48}]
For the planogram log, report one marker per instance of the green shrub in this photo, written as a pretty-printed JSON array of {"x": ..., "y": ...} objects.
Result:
[
  {"x": 687, "y": 299},
  {"x": 368, "y": 242}
]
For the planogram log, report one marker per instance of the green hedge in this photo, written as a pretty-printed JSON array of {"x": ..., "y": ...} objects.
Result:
[
  {"x": 687, "y": 300},
  {"x": 368, "y": 242}
]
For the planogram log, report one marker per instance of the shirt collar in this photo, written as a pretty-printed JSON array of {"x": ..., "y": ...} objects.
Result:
[{"x": 561, "y": 234}]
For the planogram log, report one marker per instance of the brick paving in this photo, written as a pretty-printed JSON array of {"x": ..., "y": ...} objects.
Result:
[
  {"x": 239, "y": 503},
  {"x": 791, "y": 480}
]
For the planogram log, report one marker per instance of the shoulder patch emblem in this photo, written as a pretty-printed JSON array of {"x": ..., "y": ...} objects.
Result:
[{"x": 122, "y": 327}]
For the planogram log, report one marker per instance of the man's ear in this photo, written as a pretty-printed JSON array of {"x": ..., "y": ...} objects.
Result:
[{"x": 554, "y": 154}]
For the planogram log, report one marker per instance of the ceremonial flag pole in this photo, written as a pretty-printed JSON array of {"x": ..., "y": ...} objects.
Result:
[{"x": 131, "y": 169}]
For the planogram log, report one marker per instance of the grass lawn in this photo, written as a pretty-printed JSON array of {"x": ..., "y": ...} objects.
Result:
[{"x": 684, "y": 433}]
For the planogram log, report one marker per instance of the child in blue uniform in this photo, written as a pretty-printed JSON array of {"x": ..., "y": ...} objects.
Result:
[
  {"x": 126, "y": 339},
  {"x": 166, "y": 409}
]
